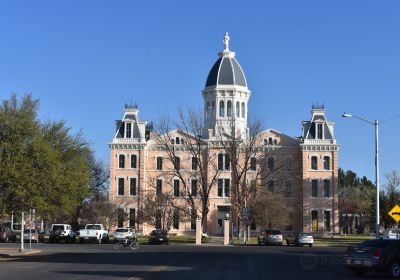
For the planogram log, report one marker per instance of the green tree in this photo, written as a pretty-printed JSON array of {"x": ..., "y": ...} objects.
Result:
[{"x": 42, "y": 165}]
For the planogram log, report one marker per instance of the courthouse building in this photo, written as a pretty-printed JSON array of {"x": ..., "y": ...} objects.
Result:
[{"x": 309, "y": 161}]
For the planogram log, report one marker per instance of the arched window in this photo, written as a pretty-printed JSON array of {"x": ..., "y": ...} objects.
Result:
[
  {"x": 243, "y": 110},
  {"x": 208, "y": 110},
  {"x": 270, "y": 141},
  {"x": 238, "y": 109},
  {"x": 213, "y": 108},
  {"x": 275, "y": 142},
  {"x": 229, "y": 109},
  {"x": 177, "y": 140},
  {"x": 121, "y": 161},
  {"x": 221, "y": 109},
  {"x": 327, "y": 163}
]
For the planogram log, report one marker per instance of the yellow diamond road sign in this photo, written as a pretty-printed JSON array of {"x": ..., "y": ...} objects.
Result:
[{"x": 395, "y": 213}]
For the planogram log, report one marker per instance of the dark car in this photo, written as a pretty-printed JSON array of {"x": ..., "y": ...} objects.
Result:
[
  {"x": 159, "y": 236},
  {"x": 379, "y": 255},
  {"x": 7, "y": 234}
]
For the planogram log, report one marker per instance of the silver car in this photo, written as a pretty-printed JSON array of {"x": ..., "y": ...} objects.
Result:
[
  {"x": 123, "y": 233},
  {"x": 270, "y": 237}
]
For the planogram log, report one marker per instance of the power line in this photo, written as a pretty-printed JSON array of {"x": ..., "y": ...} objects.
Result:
[{"x": 390, "y": 119}]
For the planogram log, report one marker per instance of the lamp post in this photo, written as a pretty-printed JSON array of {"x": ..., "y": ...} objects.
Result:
[{"x": 376, "y": 125}]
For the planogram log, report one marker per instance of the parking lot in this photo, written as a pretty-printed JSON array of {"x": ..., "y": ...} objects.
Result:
[{"x": 89, "y": 261}]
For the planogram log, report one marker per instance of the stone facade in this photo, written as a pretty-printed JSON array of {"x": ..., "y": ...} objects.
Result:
[{"x": 308, "y": 164}]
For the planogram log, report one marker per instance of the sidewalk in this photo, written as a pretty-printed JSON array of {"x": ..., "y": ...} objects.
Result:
[{"x": 14, "y": 252}]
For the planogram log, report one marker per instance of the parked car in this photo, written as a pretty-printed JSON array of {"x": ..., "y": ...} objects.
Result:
[
  {"x": 159, "y": 236},
  {"x": 381, "y": 255},
  {"x": 32, "y": 234},
  {"x": 123, "y": 233},
  {"x": 60, "y": 232},
  {"x": 270, "y": 237},
  {"x": 6, "y": 234},
  {"x": 392, "y": 233},
  {"x": 299, "y": 239},
  {"x": 96, "y": 232}
]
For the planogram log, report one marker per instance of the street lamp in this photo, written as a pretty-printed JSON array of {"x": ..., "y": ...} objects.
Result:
[{"x": 376, "y": 125}]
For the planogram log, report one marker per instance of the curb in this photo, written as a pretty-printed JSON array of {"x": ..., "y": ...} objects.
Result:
[{"x": 17, "y": 253}]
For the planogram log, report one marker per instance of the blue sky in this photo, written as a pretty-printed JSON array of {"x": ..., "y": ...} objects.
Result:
[{"x": 85, "y": 59}]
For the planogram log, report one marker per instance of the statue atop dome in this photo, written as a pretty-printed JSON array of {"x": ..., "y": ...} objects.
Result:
[{"x": 226, "y": 42}]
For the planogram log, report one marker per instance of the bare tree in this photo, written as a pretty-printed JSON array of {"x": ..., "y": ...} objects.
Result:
[{"x": 198, "y": 178}]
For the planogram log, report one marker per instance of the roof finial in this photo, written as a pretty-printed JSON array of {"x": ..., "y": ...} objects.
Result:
[{"x": 226, "y": 42}]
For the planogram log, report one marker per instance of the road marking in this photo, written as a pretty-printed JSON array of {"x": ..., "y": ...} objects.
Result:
[{"x": 155, "y": 269}]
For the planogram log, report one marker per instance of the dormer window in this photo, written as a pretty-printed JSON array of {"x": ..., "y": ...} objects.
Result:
[
  {"x": 320, "y": 131},
  {"x": 128, "y": 130}
]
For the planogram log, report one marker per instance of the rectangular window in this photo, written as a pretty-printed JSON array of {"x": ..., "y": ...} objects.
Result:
[
  {"x": 120, "y": 186},
  {"x": 132, "y": 186},
  {"x": 121, "y": 161},
  {"x": 314, "y": 188},
  {"x": 327, "y": 184},
  {"x": 253, "y": 164},
  {"x": 133, "y": 161},
  {"x": 194, "y": 187},
  {"x": 177, "y": 163},
  {"x": 288, "y": 192},
  {"x": 227, "y": 162},
  {"x": 320, "y": 131},
  {"x": 220, "y": 162},
  {"x": 314, "y": 163},
  {"x": 158, "y": 186},
  {"x": 327, "y": 220},
  {"x": 227, "y": 187},
  {"x": 327, "y": 163},
  {"x": 314, "y": 220},
  {"x": 220, "y": 187},
  {"x": 128, "y": 130},
  {"x": 176, "y": 188},
  {"x": 271, "y": 185},
  {"x": 132, "y": 217},
  {"x": 159, "y": 163},
  {"x": 194, "y": 163},
  {"x": 288, "y": 164},
  {"x": 120, "y": 217},
  {"x": 175, "y": 220},
  {"x": 270, "y": 163}
]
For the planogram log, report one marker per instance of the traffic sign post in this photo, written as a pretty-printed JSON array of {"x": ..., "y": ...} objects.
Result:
[{"x": 395, "y": 214}]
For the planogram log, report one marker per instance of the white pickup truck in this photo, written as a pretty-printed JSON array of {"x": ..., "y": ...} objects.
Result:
[{"x": 95, "y": 232}]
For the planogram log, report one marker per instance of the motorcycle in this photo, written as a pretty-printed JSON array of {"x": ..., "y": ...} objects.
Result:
[{"x": 131, "y": 242}]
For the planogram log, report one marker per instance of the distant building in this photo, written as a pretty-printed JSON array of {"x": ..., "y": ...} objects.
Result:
[{"x": 310, "y": 162}]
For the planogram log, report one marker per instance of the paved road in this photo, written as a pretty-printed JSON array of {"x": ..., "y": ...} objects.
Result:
[{"x": 93, "y": 261}]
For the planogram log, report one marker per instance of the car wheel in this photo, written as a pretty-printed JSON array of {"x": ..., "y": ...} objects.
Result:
[
  {"x": 100, "y": 239},
  {"x": 107, "y": 239},
  {"x": 394, "y": 270},
  {"x": 359, "y": 272}
]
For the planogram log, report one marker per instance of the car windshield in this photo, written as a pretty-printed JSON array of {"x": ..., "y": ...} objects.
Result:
[
  {"x": 274, "y": 232},
  {"x": 96, "y": 227},
  {"x": 27, "y": 231},
  {"x": 121, "y": 230},
  {"x": 58, "y": 227},
  {"x": 377, "y": 243},
  {"x": 305, "y": 234}
]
